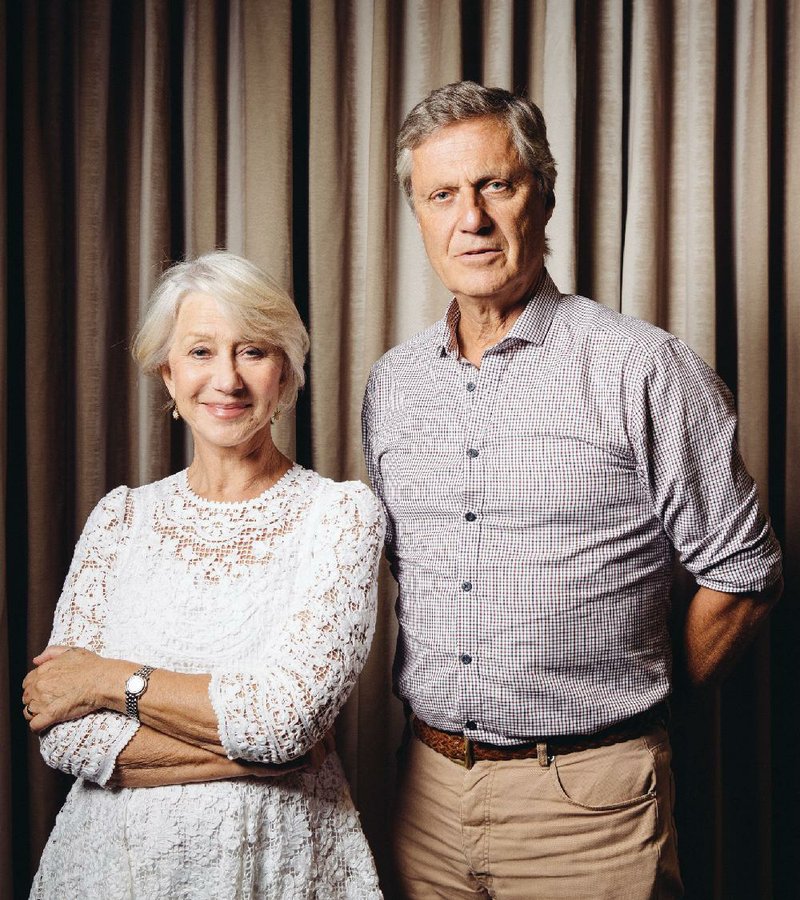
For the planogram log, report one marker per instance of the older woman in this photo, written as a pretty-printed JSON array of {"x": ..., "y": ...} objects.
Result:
[{"x": 211, "y": 626}]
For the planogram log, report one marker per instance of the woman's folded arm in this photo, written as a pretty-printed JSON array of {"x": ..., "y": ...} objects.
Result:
[
  {"x": 277, "y": 713},
  {"x": 153, "y": 759}
]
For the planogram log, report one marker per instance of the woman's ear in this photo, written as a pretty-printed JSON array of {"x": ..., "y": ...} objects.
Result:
[{"x": 166, "y": 374}]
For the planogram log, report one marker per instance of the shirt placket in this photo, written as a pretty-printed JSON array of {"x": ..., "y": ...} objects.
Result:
[{"x": 479, "y": 390}]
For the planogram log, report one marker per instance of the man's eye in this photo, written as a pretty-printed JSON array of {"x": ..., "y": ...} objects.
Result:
[
  {"x": 440, "y": 196},
  {"x": 495, "y": 187}
]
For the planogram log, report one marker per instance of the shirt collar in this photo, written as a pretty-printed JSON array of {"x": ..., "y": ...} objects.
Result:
[{"x": 532, "y": 325}]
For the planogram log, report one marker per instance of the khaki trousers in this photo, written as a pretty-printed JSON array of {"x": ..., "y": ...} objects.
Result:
[{"x": 590, "y": 825}]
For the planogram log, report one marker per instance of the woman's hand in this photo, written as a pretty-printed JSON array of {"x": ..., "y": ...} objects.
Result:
[{"x": 63, "y": 686}]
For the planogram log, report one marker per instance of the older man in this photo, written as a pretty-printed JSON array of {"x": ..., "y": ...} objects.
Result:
[{"x": 541, "y": 459}]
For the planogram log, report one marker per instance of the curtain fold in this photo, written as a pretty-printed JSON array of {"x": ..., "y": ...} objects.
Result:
[
  {"x": 691, "y": 282},
  {"x": 6, "y": 699},
  {"x": 49, "y": 219},
  {"x": 140, "y": 133},
  {"x": 497, "y": 43},
  {"x": 204, "y": 114},
  {"x": 559, "y": 100},
  {"x": 647, "y": 199},
  {"x": 149, "y": 224},
  {"x": 601, "y": 149}
]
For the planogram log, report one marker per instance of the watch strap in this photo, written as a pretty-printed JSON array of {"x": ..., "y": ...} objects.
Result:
[{"x": 132, "y": 700}]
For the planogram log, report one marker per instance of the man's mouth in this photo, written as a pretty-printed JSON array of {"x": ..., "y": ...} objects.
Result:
[{"x": 479, "y": 252}]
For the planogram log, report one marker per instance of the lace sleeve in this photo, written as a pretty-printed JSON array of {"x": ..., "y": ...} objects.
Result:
[
  {"x": 88, "y": 747},
  {"x": 280, "y": 712}
]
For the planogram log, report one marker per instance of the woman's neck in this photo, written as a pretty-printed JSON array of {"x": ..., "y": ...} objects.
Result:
[{"x": 231, "y": 474}]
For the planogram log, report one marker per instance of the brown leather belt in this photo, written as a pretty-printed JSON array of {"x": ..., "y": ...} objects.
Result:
[{"x": 466, "y": 752}]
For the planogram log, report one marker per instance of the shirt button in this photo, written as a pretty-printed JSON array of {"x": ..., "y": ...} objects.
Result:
[
  {"x": 472, "y": 452},
  {"x": 470, "y": 725},
  {"x": 466, "y": 659},
  {"x": 470, "y": 386},
  {"x": 466, "y": 585},
  {"x": 470, "y": 516}
]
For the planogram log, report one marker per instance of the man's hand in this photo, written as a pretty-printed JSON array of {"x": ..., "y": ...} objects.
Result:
[
  {"x": 719, "y": 627},
  {"x": 317, "y": 755}
]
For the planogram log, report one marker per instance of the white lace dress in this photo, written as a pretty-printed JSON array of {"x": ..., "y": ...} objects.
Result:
[{"x": 275, "y": 597}]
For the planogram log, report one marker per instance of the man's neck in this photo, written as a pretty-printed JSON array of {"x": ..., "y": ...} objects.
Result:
[
  {"x": 483, "y": 324},
  {"x": 485, "y": 321}
]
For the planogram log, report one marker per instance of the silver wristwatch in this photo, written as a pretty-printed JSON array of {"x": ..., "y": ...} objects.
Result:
[{"x": 135, "y": 686}]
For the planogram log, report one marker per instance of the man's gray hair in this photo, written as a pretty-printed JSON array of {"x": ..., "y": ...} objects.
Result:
[{"x": 465, "y": 100}]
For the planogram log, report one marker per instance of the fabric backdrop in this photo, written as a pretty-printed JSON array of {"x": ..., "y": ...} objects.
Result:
[{"x": 139, "y": 132}]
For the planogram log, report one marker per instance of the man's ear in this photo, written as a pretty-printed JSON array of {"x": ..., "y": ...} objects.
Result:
[{"x": 548, "y": 206}]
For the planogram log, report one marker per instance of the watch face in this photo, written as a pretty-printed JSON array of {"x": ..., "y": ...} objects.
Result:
[{"x": 135, "y": 685}]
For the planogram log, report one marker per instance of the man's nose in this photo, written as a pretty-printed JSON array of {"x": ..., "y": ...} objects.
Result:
[
  {"x": 226, "y": 376},
  {"x": 473, "y": 216}
]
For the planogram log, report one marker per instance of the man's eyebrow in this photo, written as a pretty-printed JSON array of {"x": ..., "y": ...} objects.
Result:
[
  {"x": 507, "y": 172},
  {"x": 498, "y": 176}
]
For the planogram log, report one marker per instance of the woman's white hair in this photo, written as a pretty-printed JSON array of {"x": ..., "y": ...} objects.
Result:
[{"x": 255, "y": 302}]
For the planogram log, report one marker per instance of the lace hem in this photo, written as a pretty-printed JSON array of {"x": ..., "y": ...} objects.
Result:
[{"x": 109, "y": 763}]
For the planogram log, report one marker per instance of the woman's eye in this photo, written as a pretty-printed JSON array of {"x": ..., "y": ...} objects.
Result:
[
  {"x": 200, "y": 352},
  {"x": 254, "y": 352}
]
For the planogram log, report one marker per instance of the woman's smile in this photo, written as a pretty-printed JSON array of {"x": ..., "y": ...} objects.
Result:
[
  {"x": 217, "y": 377},
  {"x": 226, "y": 410}
]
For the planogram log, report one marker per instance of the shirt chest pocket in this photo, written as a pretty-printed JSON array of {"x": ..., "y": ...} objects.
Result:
[
  {"x": 421, "y": 460},
  {"x": 558, "y": 479}
]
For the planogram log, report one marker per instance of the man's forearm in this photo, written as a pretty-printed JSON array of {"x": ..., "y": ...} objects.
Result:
[{"x": 719, "y": 627}]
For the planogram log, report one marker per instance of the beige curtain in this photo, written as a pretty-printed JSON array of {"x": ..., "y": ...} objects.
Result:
[
  {"x": 6, "y": 699},
  {"x": 137, "y": 133}
]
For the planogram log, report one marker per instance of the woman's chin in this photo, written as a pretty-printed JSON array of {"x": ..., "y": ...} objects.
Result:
[{"x": 231, "y": 435}]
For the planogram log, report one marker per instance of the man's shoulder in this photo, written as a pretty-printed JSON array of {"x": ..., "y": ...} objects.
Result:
[
  {"x": 631, "y": 347},
  {"x": 581, "y": 314},
  {"x": 409, "y": 352}
]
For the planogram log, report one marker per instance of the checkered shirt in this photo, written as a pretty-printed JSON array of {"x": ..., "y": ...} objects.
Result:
[{"x": 533, "y": 507}]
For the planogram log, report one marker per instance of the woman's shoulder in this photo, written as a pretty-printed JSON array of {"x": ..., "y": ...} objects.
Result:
[
  {"x": 356, "y": 490},
  {"x": 110, "y": 511},
  {"x": 122, "y": 499},
  {"x": 354, "y": 496}
]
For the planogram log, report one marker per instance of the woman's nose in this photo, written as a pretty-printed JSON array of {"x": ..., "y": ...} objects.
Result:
[{"x": 226, "y": 376}]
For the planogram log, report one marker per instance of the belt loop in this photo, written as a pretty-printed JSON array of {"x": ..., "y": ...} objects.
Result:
[
  {"x": 469, "y": 755},
  {"x": 541, "y": 754}
]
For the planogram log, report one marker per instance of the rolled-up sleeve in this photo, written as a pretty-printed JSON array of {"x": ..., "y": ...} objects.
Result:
[{"x": 684, "y": 427}]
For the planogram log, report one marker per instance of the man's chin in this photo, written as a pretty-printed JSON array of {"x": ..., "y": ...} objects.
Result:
[{"x": 495, "y": 290}]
